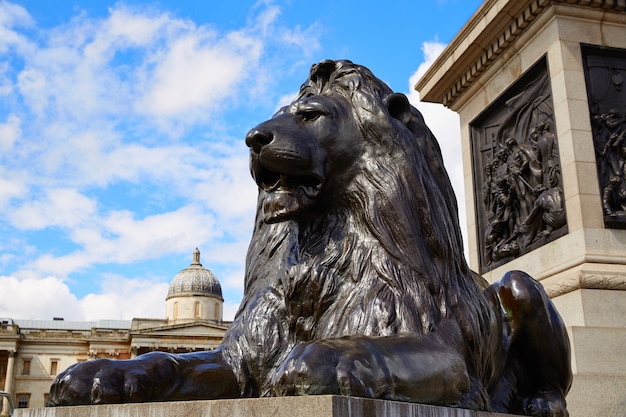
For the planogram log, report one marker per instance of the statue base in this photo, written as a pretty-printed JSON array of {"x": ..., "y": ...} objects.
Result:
[{"x": 305, "y": 406}]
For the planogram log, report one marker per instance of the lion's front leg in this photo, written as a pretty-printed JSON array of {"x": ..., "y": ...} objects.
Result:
[
  {"x": 405, "y": 368},
  {"x": 154, "y": 376}
]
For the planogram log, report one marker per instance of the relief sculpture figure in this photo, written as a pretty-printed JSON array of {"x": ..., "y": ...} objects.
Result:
[
  {"x": 501, "y": 239},
  {"x": 548, "y": 208},
  {"x": 356, "y": 283},
  {"x": 612, "y": 158},
  {"x": 517, "y": 166}
]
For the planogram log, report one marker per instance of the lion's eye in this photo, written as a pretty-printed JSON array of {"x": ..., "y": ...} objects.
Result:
[{"x": 311, "y": 115}]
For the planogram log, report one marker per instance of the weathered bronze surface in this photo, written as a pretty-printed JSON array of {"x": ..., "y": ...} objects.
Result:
[
  {"x": 517, "y": 171},
  {"x": 356, "y": 282},
  {"x": 605, "y": 69}
]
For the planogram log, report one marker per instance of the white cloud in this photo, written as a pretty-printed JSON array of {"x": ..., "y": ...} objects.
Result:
[
  {"x": 9, "y": 188},
  {"x": 157, "y": 235},
  {"x": 178, "y": 74},
  {"x": 99, "y": 159},
  {"x": 137, "y": 29},
  {"x": 6, "y": 84},
  {"x": 117, "y": 237},
  {"x": 119, "y": 299},
  {"x": 32, "y": 85},
  {"x": 194, "y": 74},
  {"x": 9, "y": 132},
  {"x": 123, "y": 299},
  {"x": 59, "y": 207},
  {"x": 226, "y": 187},
  {"x": 445, "y": 125},
  {"x": 11, "y": 16},
  {"x": 266, "y": 17},
  {"x": 303, "y": 38},
  {"x": 33, "y": 298},
  {"x": 431, "y": 50}
]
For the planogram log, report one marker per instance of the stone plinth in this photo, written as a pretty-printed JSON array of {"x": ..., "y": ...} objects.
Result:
[
  {"x": 306, "y": 406},
  {"x": 486, "y": 75}
]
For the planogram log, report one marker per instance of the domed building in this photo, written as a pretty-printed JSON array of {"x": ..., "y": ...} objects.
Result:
[
  {"x": 194, "y": 294},
  {"x": 193, "y": 315}
]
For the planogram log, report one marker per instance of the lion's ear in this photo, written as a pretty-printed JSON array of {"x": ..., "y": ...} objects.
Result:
[{"x": 399, "y": 107}]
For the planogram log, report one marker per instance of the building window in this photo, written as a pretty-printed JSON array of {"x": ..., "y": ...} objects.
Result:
[
  {"x": 26, "y": 367},
  {"x": 175, "y": 310},
  {"x": 198, "y": 309},
  {"x": 218, "y": 316},
  {"x": 22, "y": 400},
  {"x": 54, "y": 364}
]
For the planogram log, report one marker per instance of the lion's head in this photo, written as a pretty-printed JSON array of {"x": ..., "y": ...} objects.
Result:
[
  {"x": 300, "y": 155},
  {"x": 343, "y": 120},
  {"x": 348, "y": 143}
]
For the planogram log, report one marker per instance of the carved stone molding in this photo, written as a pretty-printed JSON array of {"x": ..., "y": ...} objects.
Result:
[
  {"x": 513, "y": 31},
  {"x": 489, "y": 54},
  {"x": 495, "y": 41},
  {"x": 587, "y": 280}
]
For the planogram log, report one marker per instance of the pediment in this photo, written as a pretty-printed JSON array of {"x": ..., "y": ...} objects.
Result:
[{"x": 183, "y": 329}]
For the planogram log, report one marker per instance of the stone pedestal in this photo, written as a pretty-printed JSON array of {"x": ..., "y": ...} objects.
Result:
[
  {"x": 306, "y": 406},
  {"x": 548, "y": 73}
]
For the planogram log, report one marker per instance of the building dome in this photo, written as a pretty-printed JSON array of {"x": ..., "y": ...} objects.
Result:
[{"x": 195, "y": 281}]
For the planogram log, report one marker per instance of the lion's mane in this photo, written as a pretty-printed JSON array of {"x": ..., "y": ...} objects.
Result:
[{"x": 388, "y": 260}]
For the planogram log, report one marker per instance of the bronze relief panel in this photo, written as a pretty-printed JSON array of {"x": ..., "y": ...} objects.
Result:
[
  {"x": 517, "y": 171},
  {"x": 605, "y": 71}
]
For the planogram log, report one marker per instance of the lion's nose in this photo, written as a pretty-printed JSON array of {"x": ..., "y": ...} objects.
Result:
[{"x": 258, "y": 138}]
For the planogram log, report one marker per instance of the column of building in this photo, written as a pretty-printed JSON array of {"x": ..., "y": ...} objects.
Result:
[{"x": 8, "y": 381}]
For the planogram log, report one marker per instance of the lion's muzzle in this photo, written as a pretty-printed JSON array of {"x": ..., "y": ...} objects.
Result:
[{"x": 288, "y": 166}]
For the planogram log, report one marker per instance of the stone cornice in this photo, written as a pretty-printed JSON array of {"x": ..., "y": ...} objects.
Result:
[{"x": 488, "y": 33}]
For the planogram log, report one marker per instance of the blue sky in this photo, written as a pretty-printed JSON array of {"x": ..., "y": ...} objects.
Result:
[{"x": 122, "y": 126}]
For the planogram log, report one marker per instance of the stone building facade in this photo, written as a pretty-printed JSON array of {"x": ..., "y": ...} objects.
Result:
[{"x": 33, "y": 352}]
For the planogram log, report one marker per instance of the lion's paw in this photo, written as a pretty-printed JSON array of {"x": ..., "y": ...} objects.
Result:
[
  {"x": 334, "y": 366},
  {"x": 104, "y": 381},
  {"x": 309, "y": 369},
  {"x": 545, "y": 404},
  {"x": 91, "y": 382}
]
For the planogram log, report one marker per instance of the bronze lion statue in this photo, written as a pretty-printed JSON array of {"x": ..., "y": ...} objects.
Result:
[{"x": 356, "y": 283}]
